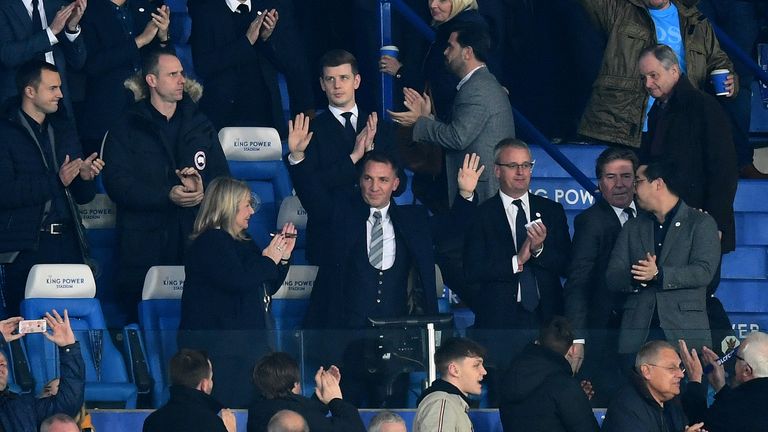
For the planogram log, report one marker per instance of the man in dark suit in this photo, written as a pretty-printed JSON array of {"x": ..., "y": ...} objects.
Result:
[
  {"x": 35, "y": 29},
  {"x": 118, "y": 33},
  {"x": 237, "y": 56},
  {"x": 513, "y": 271},
  {"x": 43, "y": 176},
  {"x": 690, "y": 128},
  {"x": 664, "y": 261},
  {"x": 336, "y": 146},
  {"x": 595, "y": 310}
]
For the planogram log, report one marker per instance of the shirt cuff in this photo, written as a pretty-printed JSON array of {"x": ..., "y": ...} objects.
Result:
[
  {"x": 579, "y": 341},
  {"x": 51, "y": 37},
  {"x": 293, "y": 161},
  {"x": 72, "y": 36},
  {"x": 470, "y": 198},
  {"x": 515, "y": 265},
  {"x": 538, "y": 252}
]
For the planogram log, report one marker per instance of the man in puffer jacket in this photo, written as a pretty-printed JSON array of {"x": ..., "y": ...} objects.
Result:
[{"x": 444, "y": 405}]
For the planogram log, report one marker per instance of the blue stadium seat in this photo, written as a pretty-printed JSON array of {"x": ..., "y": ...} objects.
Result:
[
  {"x": 291, "y": 210},
  {"x": 254, "y": 156},
  {"x": 72, "y": 287},
  {"x": 290, "y": 302},
  {"x": 159, "y": 316}
]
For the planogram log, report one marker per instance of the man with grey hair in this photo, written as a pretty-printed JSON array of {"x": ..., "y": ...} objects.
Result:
[
  {"x": 387, "y": 421},
  {"x": 287, "y": 421},
  {"x": 690, "y": 128},
  {"x": 649, "y": 403},
  {"x": 59, "y": 423},
  {"x": 741, "y": 407}
]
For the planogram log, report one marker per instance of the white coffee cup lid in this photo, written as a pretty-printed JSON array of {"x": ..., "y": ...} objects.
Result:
[
  {"x": 719, "y": 71},
  {"x": 391, "y": 48}
]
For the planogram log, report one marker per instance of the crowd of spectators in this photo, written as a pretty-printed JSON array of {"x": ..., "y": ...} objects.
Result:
[{"x": 642, "y": 267}]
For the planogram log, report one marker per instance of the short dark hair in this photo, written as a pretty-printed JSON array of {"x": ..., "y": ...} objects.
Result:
[
  {"x": 556, "y": 334},
  {"x": 476, "y": 37},
  {"x": 615, "y": 153},
  {"x": 189, "y": 367},
  {"x": 512, "y": 143},
  {"x": 337, "y": 57},
  {"x": 665, "y": 169},
  {"x": 663, "y": 53},
  {"x": 381, "y": 157},
  {"x": 152, "y": 59},
  {"x": 456, "y": 348},
  {"x": 276, "y": 374},
  {"x": 30, "y": 74}
]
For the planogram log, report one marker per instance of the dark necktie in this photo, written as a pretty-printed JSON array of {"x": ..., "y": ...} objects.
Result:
[
  {"x": 376, "y": 252},
  {"x": 242, "y": 17},
  {"x": 37, "y": 24},
  {"x": 630, "y": 212},
  {"x": 529, "y": 295},
  {"x": 348, "y": 128}
]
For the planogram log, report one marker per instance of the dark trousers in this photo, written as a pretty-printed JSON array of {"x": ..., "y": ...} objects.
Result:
[{"x": 52, "y": 249}]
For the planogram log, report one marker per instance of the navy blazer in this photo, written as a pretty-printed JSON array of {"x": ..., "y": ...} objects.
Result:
[
  {"x": 19, "y": 43},
  {"x": 589, "y": 304},
  {"x": 489, "y": 248},
  {"x": 345, "y": 218}
]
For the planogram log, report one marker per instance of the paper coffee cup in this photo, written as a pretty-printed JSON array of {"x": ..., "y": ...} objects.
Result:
[
  {"x": 389, "y": 50},
  {"x": 718, "y": 81}
]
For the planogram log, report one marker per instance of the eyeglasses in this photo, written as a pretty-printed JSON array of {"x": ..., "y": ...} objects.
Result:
[
  {"x": 525, "y": 166},
  {"x": 671, "y": 369},
  {"x": 639, "y": 180}
]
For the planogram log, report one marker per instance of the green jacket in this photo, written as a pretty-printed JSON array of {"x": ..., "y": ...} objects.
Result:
[{"x": 616, "y": 109}]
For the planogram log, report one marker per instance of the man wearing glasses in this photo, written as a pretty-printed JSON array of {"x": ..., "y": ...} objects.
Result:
[
  {"x": 649, "y": 402},
  {"x": 664, "y": 261},
  {"x": 515, "y": 253}
]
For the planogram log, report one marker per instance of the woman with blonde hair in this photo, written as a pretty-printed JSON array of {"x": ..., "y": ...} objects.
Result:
[{"x": 229, "y": 282}]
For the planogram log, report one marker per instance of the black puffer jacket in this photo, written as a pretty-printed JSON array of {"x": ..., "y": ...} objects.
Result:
[{"x": 540, "y": 394}]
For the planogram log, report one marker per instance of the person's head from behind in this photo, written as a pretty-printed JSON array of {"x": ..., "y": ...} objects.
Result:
[
  {"x": 164, "y": 75},
  {"x": 656, "y": 184},
  {"x": 4, "y": 370},
  {"x": 277, "y": 375},
  {"x": 460, "y": 362},
  {"x": 192, "y": 369},
  {"x": 615, "y": 170},
  {"x": 660, "y": 70},
  {"x": 513, "y": 166},
  {"x": 378, "y": 179},
  {"x": 59, "y": 423},
  {"x": 557, "y": 335},
  {"x": 227, "y": 205},
  {"x": 339, "y": 78},
  {"x": 39, "y": 86},
  {"x": 287, "y": 421},
  {"x": 387, "y": 421},
  {"x": 445, "y": 10},
  {"x": 660, "y": 367},
  {"x": 468, "y": 47},
  {"x": 752, "y": 358}
]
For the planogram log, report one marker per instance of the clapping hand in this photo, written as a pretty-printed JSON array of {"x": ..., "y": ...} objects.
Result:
[
  {"x": 91, "y": 167},
  {"x": 418, "y": 105},
  {"x": 269, "y": 24},
  {"x": 327, "y": 384},
  {"x": 364, "y": 140}
]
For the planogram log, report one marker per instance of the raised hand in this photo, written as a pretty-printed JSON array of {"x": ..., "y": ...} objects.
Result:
[
  {"x": 469, "y": 174},
  {"x": 691, "y": 362},
  {"x": 299, "y": 136},
  {"x": 418, "y": 105},
  {"x": 8, "y": 326},
  {"x": 270, "y": 22},
  {"x": 717, "y": 377},
  {"x": 364, "y": 140},
  {"x": 61, "y": 18},
  {"x": 61, "y": 331},
  {"x": 162, "y": 20},
  {"x": 77, "y": 15},
  {"x": 146, "y": 36}
]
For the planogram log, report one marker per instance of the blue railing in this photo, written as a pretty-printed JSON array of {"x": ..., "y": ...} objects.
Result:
[{"x": 524, "y": 127}]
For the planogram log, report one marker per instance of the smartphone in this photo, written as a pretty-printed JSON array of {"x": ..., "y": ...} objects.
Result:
[
  {"x": 287, "y": 235},
  {"x": 32, "y": 326},
  {"x": 530, "y": 224}
]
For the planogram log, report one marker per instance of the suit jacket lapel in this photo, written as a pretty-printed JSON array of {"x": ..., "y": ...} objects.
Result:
[
  {"x": 674, "y": 230},
  {"x": 500, "y": 220},
  {"x": 18, "y": 8}
]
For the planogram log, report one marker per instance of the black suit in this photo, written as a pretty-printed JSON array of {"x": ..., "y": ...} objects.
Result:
[
  {"x": 489, "y": 249},
  {"x": 19, "y": 43},
  {"x": 241, "y": 87},
  {"x": 594, "y": 310},
  {"x": 113, "y": 57}
]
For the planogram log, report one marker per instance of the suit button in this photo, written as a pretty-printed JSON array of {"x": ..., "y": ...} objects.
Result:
[
  {"x": 380, "y": 282},
  {"x": 378, "y": 300},
  {"x": 381, "y": 273}
]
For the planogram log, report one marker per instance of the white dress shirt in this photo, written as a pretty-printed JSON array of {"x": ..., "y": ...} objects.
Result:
[
  {"x": 337, "y": 112},
  {"x": 52, "y": 39},
  {"x": 511, "y": 211}
]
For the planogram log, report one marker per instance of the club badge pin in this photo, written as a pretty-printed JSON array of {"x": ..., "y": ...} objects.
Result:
[{"x": 200, "y": 160}]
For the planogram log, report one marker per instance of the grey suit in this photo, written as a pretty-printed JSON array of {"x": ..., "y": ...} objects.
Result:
[
  {"x": 19, "y": 43},
  {"x": 482, "y": 116},
  {"x": 688, "y": 260}
]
